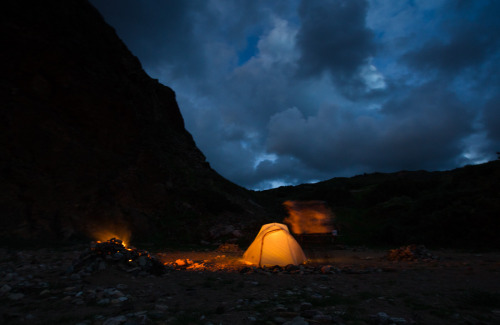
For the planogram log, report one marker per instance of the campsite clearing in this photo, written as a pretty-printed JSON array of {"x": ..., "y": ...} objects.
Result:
[{"x": 458, "y": 288}]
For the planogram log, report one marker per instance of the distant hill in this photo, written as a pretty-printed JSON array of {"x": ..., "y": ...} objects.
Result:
[
  {"x": 89, "y": 142},
  {"x": 457, "y": 208}
]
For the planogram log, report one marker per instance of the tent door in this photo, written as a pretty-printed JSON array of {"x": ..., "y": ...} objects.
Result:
[{"x": 262, "y": 243}]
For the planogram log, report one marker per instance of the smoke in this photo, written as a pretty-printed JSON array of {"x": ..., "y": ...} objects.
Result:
[{"x": 309, "y": 217}]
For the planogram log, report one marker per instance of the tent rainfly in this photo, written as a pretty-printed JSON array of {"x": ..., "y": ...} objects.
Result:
[{"x": 274, "y": 245}]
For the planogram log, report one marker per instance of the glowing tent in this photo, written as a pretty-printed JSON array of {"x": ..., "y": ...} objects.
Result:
[{"x": 274, "y": 245}]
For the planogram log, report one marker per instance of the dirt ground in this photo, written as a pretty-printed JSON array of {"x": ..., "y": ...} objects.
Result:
[{"x": 351, "y": 286}]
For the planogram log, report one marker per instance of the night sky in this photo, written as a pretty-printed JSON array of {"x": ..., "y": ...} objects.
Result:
[{"x": 290, "y": 92}]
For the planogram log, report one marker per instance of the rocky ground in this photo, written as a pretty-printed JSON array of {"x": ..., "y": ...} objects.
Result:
[{"x": 350, "y": 286}]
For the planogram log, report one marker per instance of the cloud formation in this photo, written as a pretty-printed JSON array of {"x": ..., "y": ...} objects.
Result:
[
  {"x": 333, "y": 37},
  {"x": 288, "y": 92}
]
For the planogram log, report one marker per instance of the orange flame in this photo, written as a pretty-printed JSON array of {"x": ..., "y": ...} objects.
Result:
[
  {"x": 309, "y": 217},
  {"x": 106, "y": 234}
]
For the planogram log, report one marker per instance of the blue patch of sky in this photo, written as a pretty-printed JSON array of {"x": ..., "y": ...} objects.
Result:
[{"x": 250, "y": 50}]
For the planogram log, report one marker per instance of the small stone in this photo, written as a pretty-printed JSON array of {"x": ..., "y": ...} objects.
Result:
[
  {"x": 108, "y": 292},
  {"x": 305, "y": 306},
  {"x": 323, "y": 318},
  {"x": 79, "y": 302},
  {"x": 45, "y": 292},
  {"x": 117, "y": 294},
  {"x": 398, "y": 320},
  {"x": 141, "y": 313},
  {"x": 280, "y": 308},
  {"x": 161, "y": 307},
  {"x": 261, "y": 271},
  {"x": 119, "y": 300},
  {"x": 5, "y": 288},
  {"x": 16, "y": 296},
  {"x": 291, "y": 268},
  {"x": 246, "y": 269},
  {"x": 103, "y": 302},
  {"x": 30, "y": 317},
  {"x": 118, "y": 256},
  {"x": 118, "y": 320},
  {"x": 279, "y": 320},
  {"x": 297, "y": 321},
  {"x": 122, "y": 286},
  {"x": 142, "y": 260},
  {"x": 43, "y": 284},
  {"x": 310, "y": 313},
  {"x": 75, "y": 277},
  {"x": 325, "y": 269},
  {"x": 381, "y": 318}
]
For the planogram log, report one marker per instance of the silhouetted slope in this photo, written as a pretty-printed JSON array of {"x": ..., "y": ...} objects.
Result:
[
  {"x": 88, "y": 140},
  {"x": 457, "y": 208}
]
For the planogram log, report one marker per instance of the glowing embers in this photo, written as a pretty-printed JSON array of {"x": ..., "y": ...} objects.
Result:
[
  {"x": 202, "y": 261},
  {"x": 118, "y": 233}
]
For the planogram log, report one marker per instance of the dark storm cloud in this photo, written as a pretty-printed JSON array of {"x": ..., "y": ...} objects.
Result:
[
  {"x": 426, "y": 128},
  {"x": 422, "y": 130},
  {"x": 334, "y": 37},
  {"x": 287, "y": 92},
  {"x": 491, "y": 120},
  {"x": 467, "y": 39}
]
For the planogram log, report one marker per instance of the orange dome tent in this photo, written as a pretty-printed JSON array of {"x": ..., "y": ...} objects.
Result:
[{"x": 274, "y": 245}]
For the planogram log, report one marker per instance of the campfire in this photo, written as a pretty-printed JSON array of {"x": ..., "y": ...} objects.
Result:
[
  {"x": 118, "y": 232},
  {"x": 113, "y": 253}
]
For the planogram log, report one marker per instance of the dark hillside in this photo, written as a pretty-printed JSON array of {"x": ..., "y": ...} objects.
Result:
[
  {"x": 458, "y": 208},
  {"x": 88, "y": 141}
]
